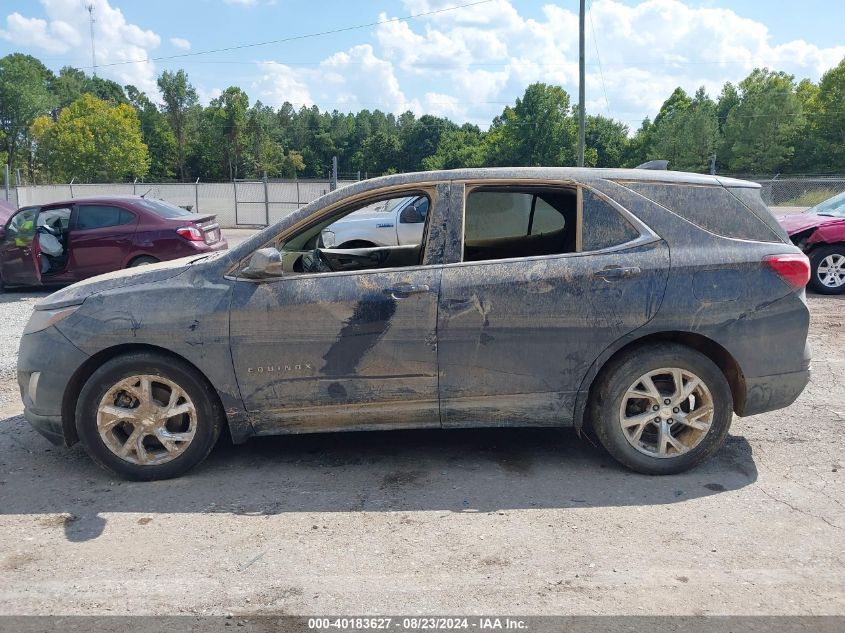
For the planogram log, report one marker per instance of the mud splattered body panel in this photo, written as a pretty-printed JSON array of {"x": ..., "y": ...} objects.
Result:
[
  {"x": 343, "y": 344},
  {"x": 517, "y": 337}
]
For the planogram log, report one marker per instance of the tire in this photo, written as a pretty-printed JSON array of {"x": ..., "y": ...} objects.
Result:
[
  {"x": 142, "y": 261},
  {"x": 826, "y": 257},
  {"x": 619, "y": 384},
  {"x": 119, "y": 386}
]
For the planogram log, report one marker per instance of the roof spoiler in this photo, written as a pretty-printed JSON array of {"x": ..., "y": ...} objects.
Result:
[{"x": 655, "y": 164}]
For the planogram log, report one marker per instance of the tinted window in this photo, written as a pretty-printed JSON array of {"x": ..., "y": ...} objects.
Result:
[
  {"x": 750, "y": 197},
  {"x": 711, "y": 207},
  {"x": 162, "y": 208},
  {"x": 95, "y": 216},
  {"x": 501, "y": 223},
  {"x": 602, "y": 226}
]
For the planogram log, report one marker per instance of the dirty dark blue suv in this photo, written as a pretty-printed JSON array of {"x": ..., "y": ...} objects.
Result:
[{"x": 649, "y": 305}]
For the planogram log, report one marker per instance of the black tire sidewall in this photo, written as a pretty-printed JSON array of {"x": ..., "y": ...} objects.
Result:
[
  {"x": 615, "y": 380},
  {"x": 816, "y": 258},
  {"x": 116, "y": 369}
]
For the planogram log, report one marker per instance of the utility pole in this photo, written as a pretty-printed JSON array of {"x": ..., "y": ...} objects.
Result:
[
  {"x": 90, "y": 9},
  {"x": 582, "y": 123}
]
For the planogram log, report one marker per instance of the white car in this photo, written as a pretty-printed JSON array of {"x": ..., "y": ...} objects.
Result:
[{"x": 396, "y": 222}]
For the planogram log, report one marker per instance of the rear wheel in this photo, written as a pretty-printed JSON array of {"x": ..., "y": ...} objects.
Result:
[
  {"x": 828, "y": 269},
  {"x": 661, "y": 409},
  {"x": 147, "y": 416},
  {"x": 142, "y": 261}
]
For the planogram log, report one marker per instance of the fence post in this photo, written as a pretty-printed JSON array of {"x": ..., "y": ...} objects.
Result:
[
  {"x": 235, "y": 185},
  {"x": 298, "y": 201},
  {"x": 197, "y": 196},
  {"x": 6, "y": 180},
  {"x": 333, "y": 183},
  {"x": 266, "y": 203},
  {"x": 71, "y": 186}
]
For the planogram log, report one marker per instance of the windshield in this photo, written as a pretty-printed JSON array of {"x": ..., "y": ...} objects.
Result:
[
  {"x": 834, "y": 206},
  {"x": 162, "y": 208}
]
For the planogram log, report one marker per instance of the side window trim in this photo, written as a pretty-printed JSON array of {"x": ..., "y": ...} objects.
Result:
[{"x": 432, "y": 190}]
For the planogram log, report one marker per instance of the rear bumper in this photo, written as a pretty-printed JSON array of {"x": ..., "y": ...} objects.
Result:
[{"x": 768, "y": 393}]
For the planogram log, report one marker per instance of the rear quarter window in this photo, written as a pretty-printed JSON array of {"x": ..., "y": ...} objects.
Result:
[{"x": 711, "y": 207}]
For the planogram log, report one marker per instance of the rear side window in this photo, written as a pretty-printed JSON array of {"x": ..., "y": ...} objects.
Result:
[
  {"x": 602, "y": 226},
  {"x": 162, "y": 208},
  {"x": 750, "y": 197},
  {"x": 711, "y": 207},
  {"x": 95, "y": 216}
]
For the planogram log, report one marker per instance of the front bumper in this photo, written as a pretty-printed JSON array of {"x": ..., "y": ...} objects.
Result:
[{"x": 46, "y": 363}]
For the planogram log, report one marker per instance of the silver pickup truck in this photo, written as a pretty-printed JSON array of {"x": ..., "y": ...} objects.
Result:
[{"x": 395, "y": 222}]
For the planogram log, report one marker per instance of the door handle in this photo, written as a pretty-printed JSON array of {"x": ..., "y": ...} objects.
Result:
[
  {"x": 612, "y": 273},
  {"x": 401, "y": 291}
]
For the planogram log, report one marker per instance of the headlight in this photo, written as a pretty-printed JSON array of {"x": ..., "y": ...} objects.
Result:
[
  {"x": 328, "y": 239},
  {"x": 42, "y": 319}
]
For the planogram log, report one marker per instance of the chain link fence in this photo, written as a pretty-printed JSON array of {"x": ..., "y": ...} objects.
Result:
[
  {"x": 239, "y": 203},
  {"x": 798, "y": 192}
]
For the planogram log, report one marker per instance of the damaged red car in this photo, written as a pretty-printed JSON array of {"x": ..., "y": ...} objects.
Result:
[
  {"x": 820, "y": 233},
  {"x": 65, "y": 242}
]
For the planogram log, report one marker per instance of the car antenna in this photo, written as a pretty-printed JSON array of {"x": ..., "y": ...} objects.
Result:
[{"x": 146, "y": 192}]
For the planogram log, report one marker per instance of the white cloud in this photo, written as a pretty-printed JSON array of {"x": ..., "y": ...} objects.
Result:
[
  {"x": 347, "y": 80},
  {"x": 180, "y": 42},
  {"x": 65, "y": 31}
]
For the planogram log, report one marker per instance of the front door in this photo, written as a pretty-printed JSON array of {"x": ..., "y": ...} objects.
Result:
[
  {"x": 329, "y": 345},
  {"x": 20, "y": 263},
  {"x": 551, "y": 276}
]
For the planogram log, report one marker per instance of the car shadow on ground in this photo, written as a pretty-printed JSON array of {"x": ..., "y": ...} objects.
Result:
[{"x": 478, "y": 470}]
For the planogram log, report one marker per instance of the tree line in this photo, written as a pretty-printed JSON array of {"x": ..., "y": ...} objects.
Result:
[{"x": 54, "y": 127}]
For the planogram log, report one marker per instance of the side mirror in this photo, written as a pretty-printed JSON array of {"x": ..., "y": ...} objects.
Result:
[
  {"x": 265, "y": 262},
  {"x": 411, "y": 215}
]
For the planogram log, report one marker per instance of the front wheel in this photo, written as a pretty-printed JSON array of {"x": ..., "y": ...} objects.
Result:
[
  {"x": 661, "y": 409},
  {"x": 147, "y": 416},
  {"x": 828, "y": 269}
]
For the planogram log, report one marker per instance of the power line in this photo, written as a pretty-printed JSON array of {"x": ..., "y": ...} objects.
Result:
[{"x": 294, "y": 38}]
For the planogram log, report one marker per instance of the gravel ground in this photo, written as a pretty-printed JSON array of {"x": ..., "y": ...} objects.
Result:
[{"x": 490, "y": 521}]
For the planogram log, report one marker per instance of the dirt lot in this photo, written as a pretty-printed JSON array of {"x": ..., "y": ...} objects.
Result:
[{"x": 522, "y": 522}]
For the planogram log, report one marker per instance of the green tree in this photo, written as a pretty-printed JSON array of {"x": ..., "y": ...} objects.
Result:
[
  {"x": 24, "y": 95},
  {"x": 92, "y": 140},
  {"x": 156, "y": 135},
  {"x": 686, "y": 132},
  {"x": 230, "y": 112},
  {"x": 826, "y": 114},
  {"x": 179, "y": 98},
  {"x": 762, "y": 128},
  {"x": 607, "y": 139},
  {"x": 462, "y": 147},
  {"x": 537, "y": 130}
]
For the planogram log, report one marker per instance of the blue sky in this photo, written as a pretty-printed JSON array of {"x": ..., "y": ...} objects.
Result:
[{"x": 466, "y": 63}]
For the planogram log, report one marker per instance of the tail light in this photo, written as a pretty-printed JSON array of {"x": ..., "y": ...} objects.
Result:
[
  {"x": 793, "y": 268},
  {"x": 191, "y": 233}
]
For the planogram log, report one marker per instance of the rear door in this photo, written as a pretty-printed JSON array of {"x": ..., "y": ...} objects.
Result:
[
  {"x": 551, "y": 277},
  {"x": 100, "y": 239},
  {"x": 20, "y": 262}
]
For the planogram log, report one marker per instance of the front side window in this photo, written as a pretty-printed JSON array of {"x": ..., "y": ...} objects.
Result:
[
  {"x": 21, "y": 228},
  {"x": 95, "y": 216},
  {"x": 360, "y": 237}
]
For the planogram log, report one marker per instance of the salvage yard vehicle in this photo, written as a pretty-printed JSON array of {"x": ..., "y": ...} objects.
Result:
[
  {"x": 644, "y": 304},
  {"x": 64, "y": 242},
  {"x": 386, "y": 223},
  {"x": 820, "y": 233}
]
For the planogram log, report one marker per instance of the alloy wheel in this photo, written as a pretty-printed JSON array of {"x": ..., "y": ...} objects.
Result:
[
  {"x": 146, "y": 420},
  {"x": 831, "y": 270},
  {"x": 666, "y": 412}
]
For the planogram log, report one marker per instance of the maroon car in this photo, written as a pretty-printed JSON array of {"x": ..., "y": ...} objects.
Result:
[
  {"x": 820, "y": 233},
  {"x": 64, "y": 242}
]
